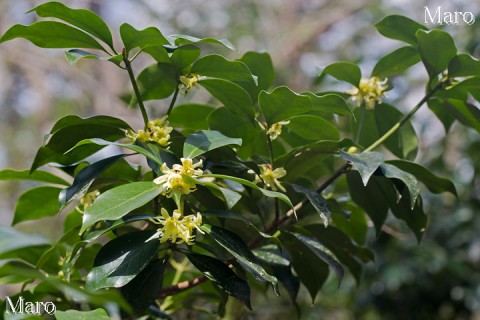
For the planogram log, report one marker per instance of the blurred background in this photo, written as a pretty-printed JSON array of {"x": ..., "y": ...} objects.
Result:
[{"x": 438, "y": 279}]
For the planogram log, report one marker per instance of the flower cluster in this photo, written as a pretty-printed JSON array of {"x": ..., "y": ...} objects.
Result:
[
  {"x": 157, "y": 131},
  {"x": 177, "y": 227},
  {"x": 370, "y": 91},
  {"x": 187, "y": 83},
  {"x": 276, "y": 129},
  {"x": 176, "y": 180},
  {"x": 270, "y": 177},
  {"x": 87, "y": 200}
]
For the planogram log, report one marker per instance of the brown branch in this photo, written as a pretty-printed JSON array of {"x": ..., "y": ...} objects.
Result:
[{"x": 181, "y": 286}]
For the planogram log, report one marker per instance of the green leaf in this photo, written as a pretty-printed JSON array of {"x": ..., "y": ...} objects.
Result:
[
  {"x": 433, "y": 182},
  {"x": 400, "y": 28},
  {"x": 350, "y": 219},
  {"x": 404, "y": 142},
  {"x": 282, "y": 104},
  {"x": 40, "y": 176},
  {"x": 97, "y": 314},
  {"x": 157, "y": 81},
  {"x": 414, "y": 216},
  {"x": 184, "y": 56},
  {"x": 466, "y": 113},
  {"x": 206, "y": 140},
  {"x": 311, "y": 270},
  {"x": 317, "y": 200},
  {"x": 85, "y": 177},
  {"x": 74, "y": 55},
  {"x": 442, "y": 113},
  {"x": 191, "y": 116},
  {"x": 237, "y": 248},
  {"x": 85, "y": 20},
  {"x": 435, "y": 60},
  {"x": 52, "y": 34},
  {"x": 233, "y": 125},
  {"x": 366, "y": 163},
  {"x": 271, "y": 255},
  {"x": 14, "y": 271},
  {"x": 216, "y": 66},
  {"x": 464, "y": 65},
  {"x": 36, "y": 203},
  {"x": 328, "y": 104},
  {"x": 220, "y": 274},
  {"x": 233, "y": 96},
  {"x": 260, "y": 64},
  {"x": 370, "y": 197},
  {"x": 11, "y": 239},
  {"x": 120, "y": 260},
  {"x": 396, "y": 62},
  {"x": 117, "y": 202},
  {"x": 344, "y": 71},
  {"x": 392, "y": 172},
  {"x": 181, "y": 39},
  {"x": 229, "y": 197},
  {"x": 313, "y": 128},
  {"x": 147, "y": 38}
]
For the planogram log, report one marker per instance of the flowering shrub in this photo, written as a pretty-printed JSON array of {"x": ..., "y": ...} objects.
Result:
[{"x": 263, "y": 185}]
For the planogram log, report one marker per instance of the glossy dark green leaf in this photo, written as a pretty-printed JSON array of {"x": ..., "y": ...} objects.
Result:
[
  {"x": 466, "y": 113},
  {"x": 366, "y": 163},
  {"x": 117, "y": 202},
  {"x": 36, "y": 203},
  {"x": 472, "y": 85},
  {"x": 317, "y": 200},
  {"x": 369, "y": 131},
  {"x": 184, "y": 56},
  {"x": 237, "y": 248},
  {"x": 220, "y": 274},
  {"x": 181, "y": 39},
  {"x": 396, "y": 62},
  {"x": 329, "y": 104},
  {"x": 312, "y": 271},
  {"x": 11, "y": 239},
  {"x": 52, "y": 34},
  {"x": 231, "y": 95},
  {"x": 370, "y": 197},
  {"x": 400, "y": 28},
  {"x": 85, "y": 177},
  {"x": 206, "y": 140},
  {"x": 443, "y": 114},
  {"x": 392, "y": 172},
  {"x": 271, "y": 254},
  {"x": 464, "y": 65},
  {"x": 433, "y": 182},
  {"x": 216, "y": 66},
  {"x": 85, "y": 20},
  {"x": 350, "y": 219},
  {"x": 435, "y": 60},
  {"x": 313, "y": 128},
  {"x": 229, "y": 197},
  {"x": 282, "y": 104},
  {"x": 233, "y": 125},
  {"x": 260, "y": 64},
  {"x": 121, "y": 259},
  {"x": 97, "y": 314},
  {"x": 414, "y": 217},
  {"x": 157, "y": 81},
  {"x": 224, "y": 214},
  {"x": 147, "y": 38},
  {"x": 40, "y": 176},
  {"x": 143, "y": 290},
  {"x": 404, "y": 142},
  {"x": 344, "y": 71},
  {"x": 289, "y": 281},
  {"x": 191, "y": 116}
]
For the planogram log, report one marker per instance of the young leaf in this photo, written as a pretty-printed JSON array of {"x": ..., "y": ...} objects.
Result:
[
  {"x": 464, "y": 65},
  {"x": 396, "y": 62},
  {"x": 97, "y": 314},
  {"x": 74, "y": 55},
  {"x": 147, "y": 38},
  {"x": 317, "y": 201},
  {"x": 218, "y": 272},
  {"x": 40, "y": 176},
  {"x": 400, "y": 28},
  {"x": 435, "y": 60},
  {"x": 120, "y": 260},
  {"x": 237, "y": 248},
  {"x": 36, "y": 203},
  {"x": 181, "y": 39},
  {"x": 433, "y": 182},
  {"x": 344, "y": 71},
  {"x": 366, "y": 163},
  {"x": 117, "y": 202},
  {"x": 216, "y": 66},
  {"x": 52, "y": 34},
  {"x": 206, "y": 140},
  {"x": 85, "y": 20},
  {"x": 282, "y": 104}
]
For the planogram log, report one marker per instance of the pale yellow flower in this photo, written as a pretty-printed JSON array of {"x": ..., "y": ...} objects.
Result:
[
  {"x": 157, "y": 131},
  {"x": 276, "y": 129},
  {"x": 270, "y": 177},
  {"x": 87, "y": 200},
  {"x": 178, "y": 228},
  {"x": 173, "y": 180},
  {"x": 370, "y": 91},
  {"x": 187, "y": 83}
]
